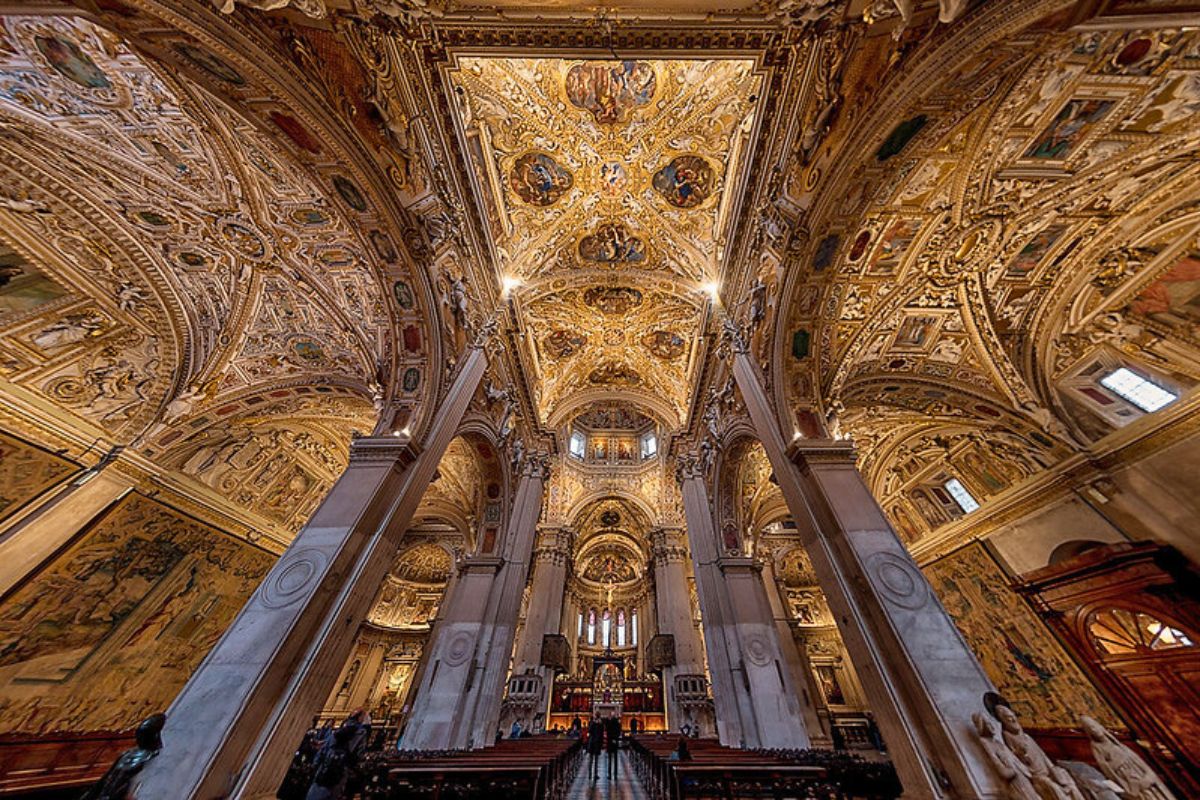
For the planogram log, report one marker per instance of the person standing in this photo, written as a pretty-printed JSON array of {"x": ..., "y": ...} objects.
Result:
[
  {"x": 595, "y": 743},
  {"x": 612, "y": 733}
]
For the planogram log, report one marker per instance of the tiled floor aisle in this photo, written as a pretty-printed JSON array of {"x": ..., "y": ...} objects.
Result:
[{"x": 624, "y": 787}]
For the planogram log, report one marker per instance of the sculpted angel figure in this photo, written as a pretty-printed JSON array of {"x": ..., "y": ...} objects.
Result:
[
  {"x": 1010, "y": 769},
  {"x": 457, "y": 300},
  {"x": 758, "y": 303},
  {"x": 1123, "y": 766},
  {"x": 1051, "y": 781}
]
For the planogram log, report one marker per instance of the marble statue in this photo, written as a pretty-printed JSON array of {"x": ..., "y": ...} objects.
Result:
[
  {"x": 457, "y": 299},
  {"x": 758, "y": 303},
  {"x": 116, "y": 782},
  {"x": 1123, "y": 766},
  {"x": 1012, "y": 772},
  {"x": 1051, "y": 781}
]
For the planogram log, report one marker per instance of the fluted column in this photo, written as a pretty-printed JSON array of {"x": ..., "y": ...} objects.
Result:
[
  {"x": 922, "y": 681},
  {"x": 458, "y": 702},
  {"x": 237, "y": 720},
  {"x": 674, "y": 616},
  {"x": 551, "y": 557},
  {"x": 757, "y": 704}
]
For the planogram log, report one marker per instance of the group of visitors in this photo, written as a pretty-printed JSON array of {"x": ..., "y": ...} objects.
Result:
[
  {"x": 326, "y": 762},
  {"x": 603, "y": 735}
]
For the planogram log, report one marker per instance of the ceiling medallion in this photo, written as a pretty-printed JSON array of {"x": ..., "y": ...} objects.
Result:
[
  {"x": 611, "y": 91},
  {"x": 667, "y": 345},
  {"x": 562, "y": 343},
  {"x": 613, "y": 300},
  {"x": 686, "y": 182},
  {"x": 538, "y": 179},
  {"x": 612, "y": 244},
  {"x": 614, "y": 374}
]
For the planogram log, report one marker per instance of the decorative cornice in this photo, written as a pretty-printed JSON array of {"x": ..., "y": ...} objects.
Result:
[
  {"x": 807, "y": 452},
  {"x": 400, "y": 450}
]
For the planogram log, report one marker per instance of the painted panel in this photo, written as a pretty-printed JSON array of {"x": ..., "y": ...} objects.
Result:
[
  {"x": 26, "y": 471},
  {"x": 110, "y": 630}
]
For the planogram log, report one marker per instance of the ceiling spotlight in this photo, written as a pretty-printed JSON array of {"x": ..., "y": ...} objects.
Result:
[
  {"x": 508, "y": 283},
  {"x": 712, "y": 290},
  {"x": 796, "y": 435}
]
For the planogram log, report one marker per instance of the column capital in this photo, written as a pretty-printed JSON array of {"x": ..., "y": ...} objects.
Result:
[
  {"x": 733, "y": 337},
  {"x": 554, "y": 545},
  {"x": 534, "y": 465},
  {"x": 480, "y": 563},
  {"x": 695, "y": 464},
  {"x": 481, "y": 335},
  {"x": 378, "y": 449},
  {"x": 807, "y": 452},
  {"x": 668, "y": 545}
]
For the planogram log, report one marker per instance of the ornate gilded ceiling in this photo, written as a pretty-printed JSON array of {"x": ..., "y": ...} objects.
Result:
[{"x": 604, "y": 186}]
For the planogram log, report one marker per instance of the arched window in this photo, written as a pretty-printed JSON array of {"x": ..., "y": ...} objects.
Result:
[
  {"x": 633, "y": 627},
  {"x": 1120, "y": 631},
  {"x": 592, "y": 626},
  {"x": 621, "y": 628},
  {"x": 606, "y": 629},
  {"x": 579, "y": 627}
]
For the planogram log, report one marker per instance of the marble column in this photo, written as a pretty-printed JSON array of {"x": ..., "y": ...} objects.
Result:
[
  {"x": 757, "y": 705},
  {"x": 674, "y": 616},
  {"x": 458, "y": 702},
  {"x": 922, "y": 680},
  {"x": 40, "y": 534},
  {"x": 235, "y": 724},
  {"x": 795, "y": 661},
  {"x": 551, "y": 557}
]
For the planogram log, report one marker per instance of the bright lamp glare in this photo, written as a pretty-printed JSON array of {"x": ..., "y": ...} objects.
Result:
[
  {"x": 508, "y": 283},
  {"x": 712, "y": 290}
]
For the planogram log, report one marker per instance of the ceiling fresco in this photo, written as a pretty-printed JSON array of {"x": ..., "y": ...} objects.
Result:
[
  {"x": 176, "y": 280},
  {"x": 956, "y": 309},
  {"x": 603, "y": 182}
]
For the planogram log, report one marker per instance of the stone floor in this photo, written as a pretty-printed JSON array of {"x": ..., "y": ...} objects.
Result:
[{"x": 624, "y": 787}]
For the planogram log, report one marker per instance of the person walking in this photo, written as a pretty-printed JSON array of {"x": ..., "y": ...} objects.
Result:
[
  {"x": 612, "y": 735},
  {"x": 595, "y": 743}
]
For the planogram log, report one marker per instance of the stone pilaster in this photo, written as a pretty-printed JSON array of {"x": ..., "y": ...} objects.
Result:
[
  {"x": 673, "y": 607},
  {"x": 922, "y": 681},
  {"x": 242, "y": 712}
]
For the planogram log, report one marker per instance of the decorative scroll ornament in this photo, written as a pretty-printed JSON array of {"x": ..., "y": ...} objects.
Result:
[{"x": 309, "y": 8}]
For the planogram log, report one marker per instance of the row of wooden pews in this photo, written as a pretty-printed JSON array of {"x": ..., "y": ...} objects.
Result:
[
  {"x": 534, "y": 768},
  {"x": 716, "y": 772}
]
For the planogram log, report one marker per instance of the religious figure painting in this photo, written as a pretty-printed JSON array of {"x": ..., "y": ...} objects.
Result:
[
  {"x": 894, "y": 243},
  {"x": 614, "y": 374},
  {"x": 562, "y": 343},
  {"x": 26, "y": 472},
  {"x": 22, "y": 286},
  {"x": 213, "y": 65},
  {"x": 861, "y": 242},
  {"x": 1016, "y": 650},
  {"x": 403, "y": 294},
  {"x": 611, "y": 91},
  {"x": 614, "y": 301},
  {"x": 916, "y": 332},
  {"x": 826, "y": 250},
  {"x": 613, "y": 178},
  {"x": 538, "y": 179},
  {"x": 686, "y": 182},
  {"x": 667, "y": 345},
  {"x": 1174, "y": 298},
  {"x": 1068, "y": 128},
  {"x": 66, "y": 57},
  {"x": 612, "y": 244},
  {"x": 349, "y": 192},
  {"x": 411, "y": 379},
  {"x": 1035, "y": 250}
]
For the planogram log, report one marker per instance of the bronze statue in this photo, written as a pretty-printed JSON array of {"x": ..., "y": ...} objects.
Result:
[{"x": 116, "y": 782}]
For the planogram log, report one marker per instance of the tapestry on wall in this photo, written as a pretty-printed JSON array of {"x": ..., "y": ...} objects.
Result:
[
  {"x": 109, "y": 631},
  {"x": 1018, "y": 652},
  {"x": 26, "y": 471}
]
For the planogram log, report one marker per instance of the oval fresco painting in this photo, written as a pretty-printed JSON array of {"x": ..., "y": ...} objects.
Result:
[
  {"x": 686, "y": 182},
  {"x": 612, "y": 244},
  {"x": 190, "y": 258},
  {"x": 611, "y": 92},
  {"x": 563, "y": 343},
  {"x": 211, "y": 64},
  {"x": 664, "y": 344},
  {"x": 153, "y": 219},
  {"x": 71, "y": 62},
  {"x": 411, "y": 379},
  {"x": 860, "y": 246},
  {"x": 349, "y": 192},
  {"x": 403, "y": 295},
  {"x": 309, "y": 216},
  {"x": 614, "y": 374},
  {"x": 613, "y": 300},
  {"x": 308, "y": 350},
  {"x": 613, "y": 178},
  {"x": 538, "y": 179}
]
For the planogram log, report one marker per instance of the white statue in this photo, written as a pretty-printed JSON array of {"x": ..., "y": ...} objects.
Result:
[
  {"x": 1123, "y": 766},
  {"x": 458, "y": 301},
  {"x": 1051, "y": 781},
  {"x": 1010, "y": 769},
  {"x": 758, "y": 303},
  {"x": 309, "y": 8}
]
